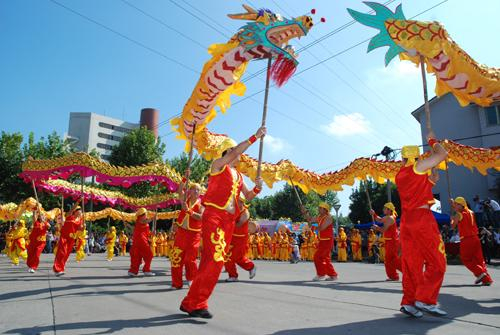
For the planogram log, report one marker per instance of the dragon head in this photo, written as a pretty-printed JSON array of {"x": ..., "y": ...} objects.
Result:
[{"x": 268, "y": 36}]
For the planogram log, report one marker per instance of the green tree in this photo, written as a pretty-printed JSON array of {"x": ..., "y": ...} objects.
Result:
[
  {"x": 378, "y": 195},
  {"x": 284, "y": 203},
  {"x": 12, "y": 155},
  {"x": 138, "y": 147},
  {"x": 199, "y": 166}
]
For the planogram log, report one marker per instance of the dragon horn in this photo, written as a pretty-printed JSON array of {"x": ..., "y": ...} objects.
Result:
[
  {"x": 377, "y": 21},
  {"x": 250, "y": 15}
]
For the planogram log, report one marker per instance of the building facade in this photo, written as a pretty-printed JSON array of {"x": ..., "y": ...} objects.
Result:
[
  {"x": 472, "y": 125},
  {"x": 93, "y": 131}
]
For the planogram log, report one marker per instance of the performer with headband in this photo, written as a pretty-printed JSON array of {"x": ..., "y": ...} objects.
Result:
[
  {"x": 141, "y": 250},
  {"x": 323, "y": 254},
  {"x": 423, "y": 256},
  {"x": 471, "y": 253},
  {"x": 73, "y": 222},
  {"x": 392, "y": 261},
  {"x": 187, "y": 236},
  {"x": 221, "y": 211}
]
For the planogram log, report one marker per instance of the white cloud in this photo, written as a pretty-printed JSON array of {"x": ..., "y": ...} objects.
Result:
[
  {"x": 399, "y": 69},
  {"x": 275, "y": 144},
  {"x": 347, "y": 125}
]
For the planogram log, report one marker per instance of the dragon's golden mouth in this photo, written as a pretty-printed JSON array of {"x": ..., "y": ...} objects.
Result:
[{"x": 280, "y": 36}]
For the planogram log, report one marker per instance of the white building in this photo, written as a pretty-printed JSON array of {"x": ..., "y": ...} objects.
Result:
[
  {"x": 93, "y": 131},
  {"x": 471, "y": 125}
]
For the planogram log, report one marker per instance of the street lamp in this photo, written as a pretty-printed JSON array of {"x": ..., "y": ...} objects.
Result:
[
  {"x": 336, "y": 207},
  {"x": 389, "y": 155}
]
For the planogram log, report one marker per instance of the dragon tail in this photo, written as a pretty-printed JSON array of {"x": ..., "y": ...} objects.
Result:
[{"x": 377, "y": 21}]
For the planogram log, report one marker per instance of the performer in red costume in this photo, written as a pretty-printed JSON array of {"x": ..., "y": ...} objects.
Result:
[
  {"x": 392, "y": 261},
  {"x": 238, "y": 249},
  {"x": 423, "y": 256},
  {"x": 221, "y": 210},
  {"x": 141, "y": 250},
  {"x": 73, "y": 222},
  {"x": 37, "y": 240},
  {"x": 471, "y": 253},
  {"x": 323, "y": 254},
  {"x": 187, "y": 236}
]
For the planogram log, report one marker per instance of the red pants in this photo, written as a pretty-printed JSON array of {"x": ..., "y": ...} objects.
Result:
[
  {"x": 471, "y": 255},
  {"x": 64, "y": 248},
  {"x": 423, "y": 257},
  {"x": 138, "y": 253},
  {"x": 392, "y": 261},
  {"x": 218, "y": 226},
  {"x": 35, "y": 248},
  {"x": 323, "y": 259},
  {"x": 238, "y": 255},
  {"x": 183, "y": 254}
]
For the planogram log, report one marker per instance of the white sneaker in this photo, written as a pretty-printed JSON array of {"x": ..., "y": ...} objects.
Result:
[
  {"x": 252, "y": 273},
  {"x": 331, "y": 278},
  {"x": 58, "y": 274},
  {"x": 149, "y": 274},
  {"x": 131, "y": 274},
  {"x": 319, "y": 278},
  {"x": 411, "y": 311},
  {"x": 190, "y": 282},
  {"x": 480, "y": 278},
  {"x": 31, "y": 270},
  {"x": 231, "y": 279},
  {"x": 431, "y": 309}
]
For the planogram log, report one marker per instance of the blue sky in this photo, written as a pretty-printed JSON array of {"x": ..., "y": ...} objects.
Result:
[{"x": 55, "y": 62}]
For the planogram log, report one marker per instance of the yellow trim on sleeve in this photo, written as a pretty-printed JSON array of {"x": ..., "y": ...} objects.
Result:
[{"x": 418, "y": 172}]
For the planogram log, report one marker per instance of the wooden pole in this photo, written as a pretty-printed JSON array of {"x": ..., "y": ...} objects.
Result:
[
  {"x": 264, "y": 116},
  {"x": 62, "y": 208},
  {"x": 36, "y": 196},
  {"x": 83, "y": 202},
  {"x": 190, "y": 157},
  {"x": 296, "y": 192},
  {"x": 369, "y": 200},
  {"x": 427, "y": 107}
]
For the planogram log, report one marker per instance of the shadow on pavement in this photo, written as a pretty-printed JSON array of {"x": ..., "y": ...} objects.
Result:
[{"x": 110, "y": 326}]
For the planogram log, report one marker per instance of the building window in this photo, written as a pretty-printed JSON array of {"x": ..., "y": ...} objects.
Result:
[
  {"x": 116, "y": 128},
  {"x": 106, "y": 157},
  {"x": 104, "y": 146},
  {"x": 492, "y": 115},
  {"x": 109, "y": 137}
]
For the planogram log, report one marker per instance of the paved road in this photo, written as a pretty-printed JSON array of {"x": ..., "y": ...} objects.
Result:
[{"x": 97, "y": 297}]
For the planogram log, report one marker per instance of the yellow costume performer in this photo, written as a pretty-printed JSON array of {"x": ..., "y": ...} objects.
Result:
[
  {"x": 110, "y": 243},
  {"x": 356, "y": 245},
  {"x": 372, "y": 238},
  {"x": 18, "y": 246},
  {"x": 123, "y": 244},
  {"x": 342, "y": 245},
  {"x": 80, "y": 244}
]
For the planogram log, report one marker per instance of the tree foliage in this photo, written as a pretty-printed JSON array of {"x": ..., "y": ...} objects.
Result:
[
  {"x": 378, "y": 194},
  {"x": 13, "y": 153},
  {"x": 138, "y": 147},
  {"x": 200, "y": 167},
  {"x": 284, "y": 203}
]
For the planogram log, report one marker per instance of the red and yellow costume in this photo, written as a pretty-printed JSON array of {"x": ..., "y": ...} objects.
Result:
[
  {"x": 218, "y": 226},
  {"x": 356, "y": 246},
  {"x": 123, "y": 244},
  {"x": 371, "y": 241},
  {"x": 38, "y": 239},
  {"x": 421, "y": 243},
  {"x": 342, "y": 246},
  {"x": 110, "y": 243},
  {"x": 186, "y": 244},
  {"x": 18, "y": 244},
  {"x": 471, "y": 253},
  {"x": 322, "y": 256},
  {"x": 141, "y": 250},
  {"x": 80, "y": 237},
  {"x": 381, "y": 249},
  {"x": 392, "y": 261},
  {"x": 66, "y": 241},
  {"x": 237, "y": 252}
]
